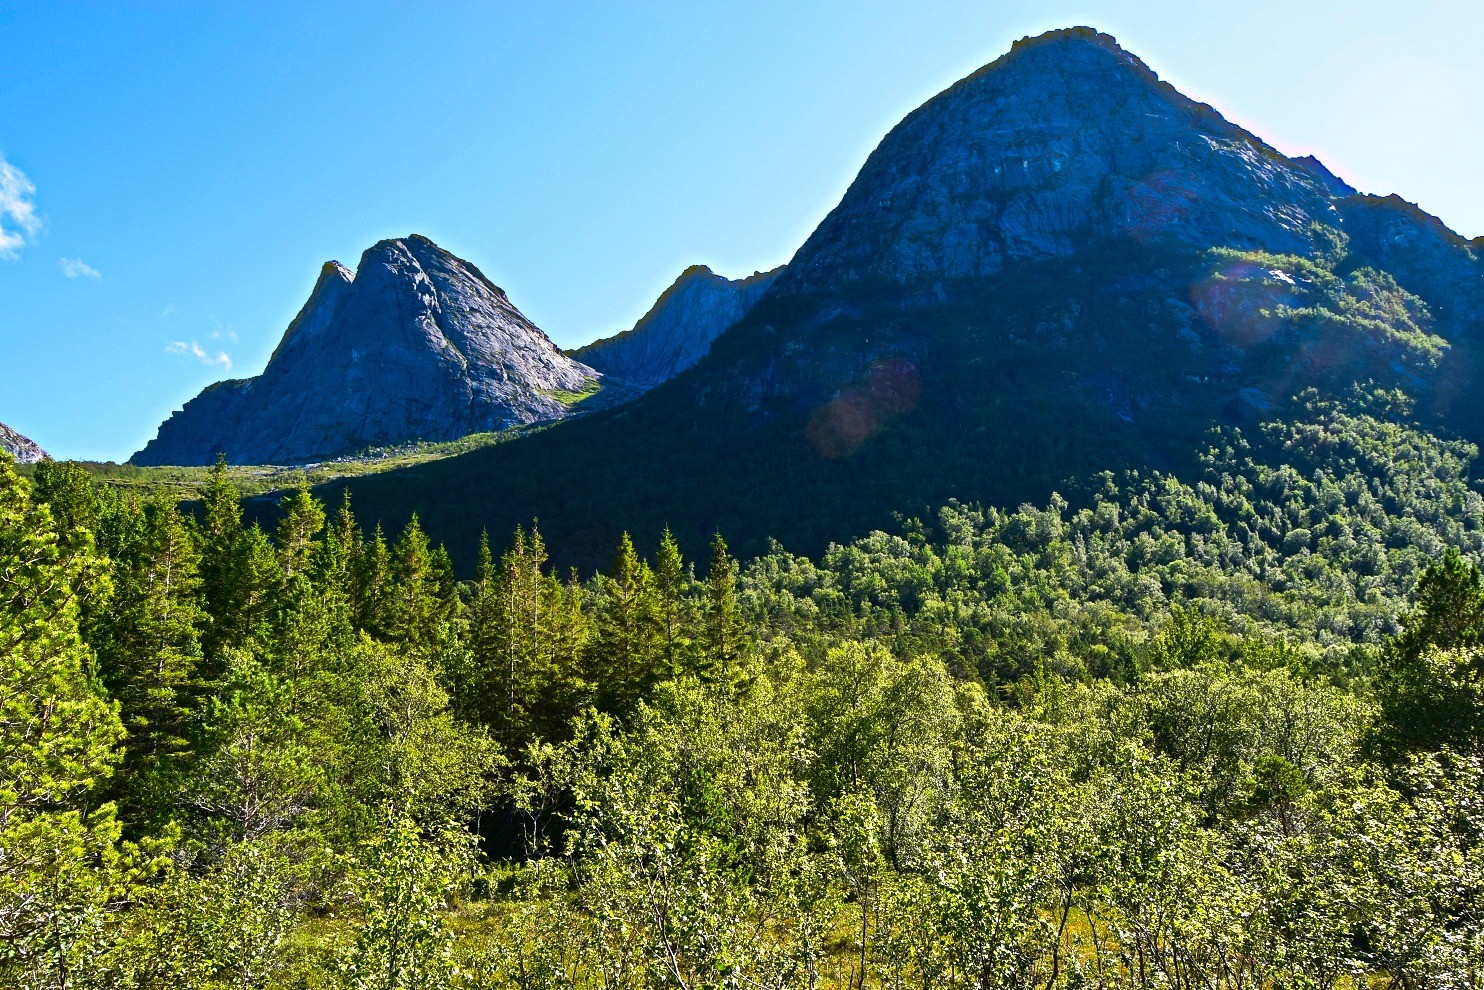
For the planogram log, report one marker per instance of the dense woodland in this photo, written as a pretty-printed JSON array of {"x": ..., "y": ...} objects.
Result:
[{"x": 1224, "y": 730}]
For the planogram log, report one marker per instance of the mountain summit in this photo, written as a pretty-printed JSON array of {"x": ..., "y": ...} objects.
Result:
[
  {"x": 416, "y": 344},
  {"x": 679, "y": 328},
  {"x": 1064, "y": 142}
]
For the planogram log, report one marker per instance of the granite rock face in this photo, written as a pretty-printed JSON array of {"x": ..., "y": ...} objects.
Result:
[
  {"x": 1065, "y": 142},
  {"x": 678, "y": 330},
  {"x": 23, "y": 449},
  {"x": 416, "y": 344}
]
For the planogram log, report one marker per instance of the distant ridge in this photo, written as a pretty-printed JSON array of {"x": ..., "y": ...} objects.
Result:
[{"x": 679, "y": 328}]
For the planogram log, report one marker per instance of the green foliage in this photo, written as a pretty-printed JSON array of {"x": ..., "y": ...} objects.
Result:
[
  {"x": 1431, "y": 687},
  {"x": 1211, "y": 730},
  {"x": 400, "y": 879},
  {"x": 57, "y": 749}
]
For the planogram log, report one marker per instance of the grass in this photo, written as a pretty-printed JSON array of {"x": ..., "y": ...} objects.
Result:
[
  {"x": 589, "y": 388},
  {"x": 260, "y": 479}
]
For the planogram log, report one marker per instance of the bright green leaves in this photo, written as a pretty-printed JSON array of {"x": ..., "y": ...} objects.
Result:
[{"x": 58, "y": 737}]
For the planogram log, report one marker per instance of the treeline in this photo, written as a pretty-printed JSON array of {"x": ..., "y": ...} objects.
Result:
[{"x": 1226, "y": 734}]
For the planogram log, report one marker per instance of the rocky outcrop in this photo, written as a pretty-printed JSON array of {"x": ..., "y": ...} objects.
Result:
[
  {"x": 678, "y": 329},
  {"x": 1064, "y": 143},
  {"x": 1390, "y": 233},
  {"x": 1332, "y": 183},
  {"x": 416, "y": 344},
  {"x": 23, "y": 449}
]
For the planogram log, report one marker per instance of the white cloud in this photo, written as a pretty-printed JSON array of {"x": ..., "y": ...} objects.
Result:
[
  {"x": 195, "y": 350},
  {"x": 18, "y": 219},
  {"x": 77, "y": 268},
  {"x": 168, "y": 311}
]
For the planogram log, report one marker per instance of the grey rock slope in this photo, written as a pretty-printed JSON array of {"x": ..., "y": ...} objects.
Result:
[
  {"x": 23, "y": 449},
  {"x": 1065, "y": 141},
  {"x": 678, "y": 329},
  {"x": 416, "y": 344}
]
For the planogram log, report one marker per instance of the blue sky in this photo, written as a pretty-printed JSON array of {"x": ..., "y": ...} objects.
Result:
[{"x": 172, "y": 176}]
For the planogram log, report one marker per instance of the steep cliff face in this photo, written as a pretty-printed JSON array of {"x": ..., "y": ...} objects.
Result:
[
  {"x": 416, "y": 344},
  {"x": 678, "y": 330},
  {"x": 1065, "y": 142},
  {"x": 23, "y": 449}
]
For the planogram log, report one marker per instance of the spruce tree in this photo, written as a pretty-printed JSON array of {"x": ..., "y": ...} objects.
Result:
[
  {"x": 373, "y": 587},
  {"x": 58, "y": 737},
  {"x": 677, "y": 611},
  {"x": 301, "y": 524},
  {"x": 417, "y": 607},
  {"x": 239, "y": 573},
  {"x": 628, "y": 648},
  {"x": 724, "y": 628},
  {"x": 152, "y": 652}
]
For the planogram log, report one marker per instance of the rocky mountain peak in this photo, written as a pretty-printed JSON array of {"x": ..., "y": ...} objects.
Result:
[
  {"x": 416, "y": 344},
  {"x": 679, "y": 328},
  {"x": 1063, "y": 143},
  {"x": 23, "y": 449}
]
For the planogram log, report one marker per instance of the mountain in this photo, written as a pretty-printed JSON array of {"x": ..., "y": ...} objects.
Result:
[
  {"x": 1064, "y": 142},
  {"x": 416, "y": 344},
  {"x": 1058, "y": 267},
  {"x": 678, "y": 329},
  {"x": 23, "y": 449}
]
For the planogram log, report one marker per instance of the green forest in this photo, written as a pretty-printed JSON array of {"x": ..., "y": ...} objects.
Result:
[{"x": 1220, "y": 730}]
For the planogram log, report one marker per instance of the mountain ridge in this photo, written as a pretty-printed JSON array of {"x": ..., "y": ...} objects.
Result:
[
  {"x": 1024, "y": 159},
  {"x": 960, "y": 329},
  {"x": 679, "y": 328}
]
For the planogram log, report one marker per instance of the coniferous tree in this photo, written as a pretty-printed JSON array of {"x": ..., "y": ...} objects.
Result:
[
  {"x": 673, "y": 584},
  {"x": 373, "y": 608},
  {"x": 526, "y": 635},
  {"x": 222, "y": 550},
  {"x": 58, "y": 736},
  {"x": 628, "y": 645},
  {"x": 239, "y": 573},
  {"x": 297, "y": 531},
  {"x": 151, "y": 651},
  {"x": 1431, "y": 686},
  {"x": 724, "y": 627},
  {"x": 417, "y": 608}
]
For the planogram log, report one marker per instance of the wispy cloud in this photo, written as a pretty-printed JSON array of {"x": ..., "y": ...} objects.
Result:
[
  {"x": 195, "y": 350},
  {"x": 77, "y": 268},
  {"x": 168, "y": 311},
  {"x": 222, "y": 331},
  {"x": 18, "y": 219}
]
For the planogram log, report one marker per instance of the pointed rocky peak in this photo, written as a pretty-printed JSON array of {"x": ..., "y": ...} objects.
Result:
[
  {"x": 23, "y": 449},
  {"x": 1336, "y": 185},
  {"x": 1064, "y": 143},
  {"x": 330, "y": 289},
  {"x": 679, "y": 328},
  {"x": 416, "y": 344}
]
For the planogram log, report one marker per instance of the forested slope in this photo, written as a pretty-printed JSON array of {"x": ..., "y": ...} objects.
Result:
[{"x": 1218, "y": 730}]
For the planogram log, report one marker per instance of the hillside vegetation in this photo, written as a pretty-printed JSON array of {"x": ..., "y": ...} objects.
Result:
[{"x": 1217, "y": 728}]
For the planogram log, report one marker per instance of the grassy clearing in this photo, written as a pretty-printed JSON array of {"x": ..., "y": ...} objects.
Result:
[{"x": 260, "y": 479}]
